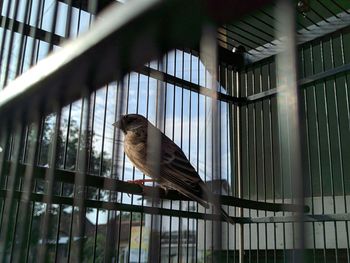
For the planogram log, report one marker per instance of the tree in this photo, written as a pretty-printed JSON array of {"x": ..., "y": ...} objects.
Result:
[{"x": 67, "y": 150}]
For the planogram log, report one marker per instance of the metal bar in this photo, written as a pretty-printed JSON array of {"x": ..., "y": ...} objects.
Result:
[
  {"x": 239, "y": 175},
  {"x": 325, "y": 7},
  {"x": 85, "y": 5},
  {"x": 342, "y": 159},
  {"x": 128, "y": 102},
  {"x": 179, "y": 243},
  {"x": 173, "y": 138},
  {"x": 34, "y": 31},
  {"x": 197, "y": 148},
  {"x": 263, "y": 168},
  {"x": 28, "y": 184},
  {"x": 57, "y": 40},
  {"x": 308, "y": 147},
  {"x": 35, "y": 197},
  {"x": 250, "y": 141},
  {"x": 189, "y": 149},
  {"x": 270, "y": 25},
  {"x": 9, "y": 203},
  {"x": 288, "y": 105},
  {"x": 320, "y": 16},
  {"x": 257, "y": 28},
  {"x": 229, "y": 164},
  {"x": 80, "y": 180},
  {"x": 325, "y": 74},
  {"x": 242, "y": 36},
  {"x": 23, "y": 39},
  {"x": 5, "y": 144},
  {"x": 232, "y": 149},
  {"x": 66, "y": 35},
  {"x": 255, "y": 154},
  {"x": 189, "y": 85},
  {"x": 190, "y": 119},
  {"x": 311, "y": 20},
  {"x": 49, "y": 177},
  {"x": 272, "y": 154},
  {"x": 304, "y": 35},
  {"x": 81, "y": 127},
  {"x": 123, "y": 96},
  {"x": 109, "y": 249},
  {"x": 97, "y": 41},
  {"x": 303, "y": 82},
  {"x": 161, "y": 115},
  {"x": 339, "y": 6},
  {"x": 53, "y": 26},
  {"x": 321, "y": 86},
  {"x": 37, "y": 33},
  {"x": 250, "y": 34},
  {"x": 143, "y": 176},
  {"x": 5, "y": 23},
  {"x": 120, "y": 110},
  {"x": 10, "y": 44},
  {"x": 331, "y": 160},
  {"x": 205, "y": 156}
]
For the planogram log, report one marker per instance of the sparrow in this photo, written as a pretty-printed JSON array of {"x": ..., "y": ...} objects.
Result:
[{"x": 166, "y": 164}]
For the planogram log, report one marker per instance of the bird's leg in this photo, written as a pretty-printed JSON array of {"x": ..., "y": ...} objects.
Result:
[{"x": 141, "y": 181}]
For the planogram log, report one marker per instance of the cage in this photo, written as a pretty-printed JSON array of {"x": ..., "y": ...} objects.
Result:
[{"x": 255, "y": 93}]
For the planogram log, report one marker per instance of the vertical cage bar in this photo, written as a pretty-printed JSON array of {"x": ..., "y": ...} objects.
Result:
[
  {"x": 272, "y": 163},
  {"x": 288, "y": 101},
  {"x": 79, "y": 180},
  {"x": 4, "y": 22},
  {"x": 45, "y": 233},
  {"x": 189, "y": 155},
  {"x": 239, "y": 171},
  {"x": 116, "y": 153},
  {"x": 11, "y": 40},
  {"x": 23, "y": 39},
  {"x": 343, "y": 159},
  {"x": 198, "y": 110},
  {"x": 123, "y": 96},
  {"x": 28, "y": 183},
  {"x": 34, "y": 31},
  {"x": 9, "y": 206},
  {"x": 173, "y": 138}
]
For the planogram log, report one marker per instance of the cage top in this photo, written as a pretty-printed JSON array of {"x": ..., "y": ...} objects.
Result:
[{"x": 257, "y": 31}]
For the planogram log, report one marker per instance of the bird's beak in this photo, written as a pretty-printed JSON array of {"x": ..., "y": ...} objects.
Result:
[{"x": 119, "y": 123}]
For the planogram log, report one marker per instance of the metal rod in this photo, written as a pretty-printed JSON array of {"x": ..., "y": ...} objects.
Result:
[
  {"x": 239, "y": 170},
  {"x": 290, "y": 109},
  {"x": 36, "y": 197},
  {"x": 339, "y": 6},
  {"x": 302, "y": 82},
  {"x": 8, "y": 214},
  {"x": 10, "y": 44}
]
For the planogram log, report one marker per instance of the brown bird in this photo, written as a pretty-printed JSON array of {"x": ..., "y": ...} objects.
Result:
[{"x": 165, "y": 162}]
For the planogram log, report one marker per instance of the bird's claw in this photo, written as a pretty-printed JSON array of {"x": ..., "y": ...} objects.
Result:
[{"x": 140, "y": 181}]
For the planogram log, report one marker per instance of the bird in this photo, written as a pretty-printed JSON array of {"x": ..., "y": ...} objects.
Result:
[{"x": 165, "y": 163}]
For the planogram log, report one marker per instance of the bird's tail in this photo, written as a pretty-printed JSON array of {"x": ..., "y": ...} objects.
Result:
[{"x": 208, "y": 196}]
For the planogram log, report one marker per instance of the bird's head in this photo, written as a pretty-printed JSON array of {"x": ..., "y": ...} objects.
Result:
[{"x": 131, "y": 122}]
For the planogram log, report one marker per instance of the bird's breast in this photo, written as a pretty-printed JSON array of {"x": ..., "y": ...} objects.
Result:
[{"x": 137, "y": 153}]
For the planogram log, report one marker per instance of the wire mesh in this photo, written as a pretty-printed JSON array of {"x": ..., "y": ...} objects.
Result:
[{"x": 63, "y": 172}]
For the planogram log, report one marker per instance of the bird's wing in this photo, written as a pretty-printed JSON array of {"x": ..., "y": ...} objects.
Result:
[{"x": 178, "y": 172}]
